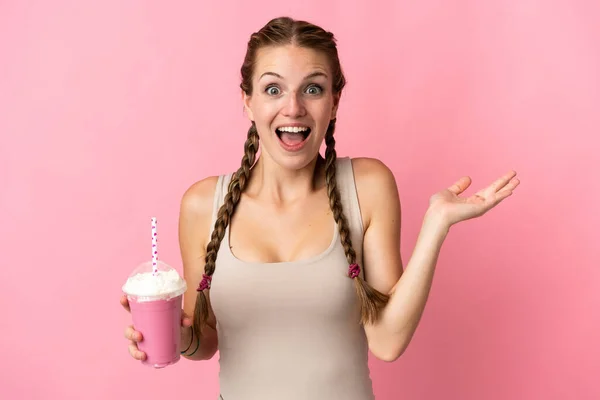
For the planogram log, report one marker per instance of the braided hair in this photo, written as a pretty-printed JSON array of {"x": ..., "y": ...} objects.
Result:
[{"x": 283, "y": 31}]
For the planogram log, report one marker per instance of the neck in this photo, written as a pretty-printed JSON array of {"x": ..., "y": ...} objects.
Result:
[{"x": 274, "y": 184}]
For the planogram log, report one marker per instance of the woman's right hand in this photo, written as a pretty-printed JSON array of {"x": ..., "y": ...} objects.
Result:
[{"x": 132, "y": 335}]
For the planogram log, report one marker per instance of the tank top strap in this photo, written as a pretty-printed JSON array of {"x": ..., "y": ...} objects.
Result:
[
  {"x": 219, "y": 198},
  {"x": 349, "y": 199}
]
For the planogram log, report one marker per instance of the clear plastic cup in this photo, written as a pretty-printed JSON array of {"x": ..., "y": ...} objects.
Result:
[{"x": 155, "y": 303}]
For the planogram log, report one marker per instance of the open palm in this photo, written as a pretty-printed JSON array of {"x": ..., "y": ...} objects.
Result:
[{"x": 454, "y": 208}]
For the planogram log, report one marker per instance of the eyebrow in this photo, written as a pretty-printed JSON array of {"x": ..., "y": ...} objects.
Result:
[{"x": 309, "y": 76}]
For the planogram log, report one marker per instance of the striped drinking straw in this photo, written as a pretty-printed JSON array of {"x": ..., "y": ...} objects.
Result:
[{"x": 154, "y": 248}]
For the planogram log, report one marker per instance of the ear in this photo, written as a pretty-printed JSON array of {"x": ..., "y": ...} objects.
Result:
[
  {"x": 336, "y": 103},
  {"x": 246, "y": 99}
]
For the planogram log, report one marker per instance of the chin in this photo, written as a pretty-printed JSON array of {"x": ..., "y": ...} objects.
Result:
[
  {"x": 294, "y": 162},
  {"x": 291, "y": 161}
]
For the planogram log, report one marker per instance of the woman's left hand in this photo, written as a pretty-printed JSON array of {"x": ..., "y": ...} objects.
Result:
[{"x": 452, "y": 208}]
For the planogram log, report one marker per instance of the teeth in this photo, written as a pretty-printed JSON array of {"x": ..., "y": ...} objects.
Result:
[{"x": 292, "y": 129}]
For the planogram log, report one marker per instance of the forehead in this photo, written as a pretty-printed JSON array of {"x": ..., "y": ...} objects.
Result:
[{"x": 291, "y": 62}]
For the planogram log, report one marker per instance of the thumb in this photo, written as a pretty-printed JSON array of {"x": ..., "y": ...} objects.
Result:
[{"x": 461, "y": 185}]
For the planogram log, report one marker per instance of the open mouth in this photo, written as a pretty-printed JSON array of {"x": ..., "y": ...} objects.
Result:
[{"x": 293, "y": 137}]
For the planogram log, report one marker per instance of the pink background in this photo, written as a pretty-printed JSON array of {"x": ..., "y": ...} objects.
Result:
[{"x": 110, "y": 110}]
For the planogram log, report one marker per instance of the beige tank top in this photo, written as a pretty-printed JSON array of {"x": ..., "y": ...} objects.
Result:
[{"x": 290, "y": 330}]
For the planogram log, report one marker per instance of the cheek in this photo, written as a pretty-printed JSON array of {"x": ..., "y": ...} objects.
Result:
[
  {"x": 323, "y": 111},
  {"x": 266, "y": 111}
]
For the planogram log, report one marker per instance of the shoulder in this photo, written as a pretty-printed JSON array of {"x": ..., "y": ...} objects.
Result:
[
  {"x": 196, "y": 208},
  {"x": 372, "y": 170},
  {"x": 198, "y": 198},
  {"x": 373, "y": 177},
  {"x": 375, "y": 186}
]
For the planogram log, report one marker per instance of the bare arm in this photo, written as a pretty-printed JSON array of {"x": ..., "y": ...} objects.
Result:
[
  {"x": 194, "y": 227},
  {"x": 390, "y": 336},
  {"x": 384, "y": 271},
  {"x": 383, "y": 266}
]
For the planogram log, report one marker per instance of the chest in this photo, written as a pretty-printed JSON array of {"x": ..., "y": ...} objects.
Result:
[
  {"x": 262, "y": 233},
  {"x": 270, "y": 295}
]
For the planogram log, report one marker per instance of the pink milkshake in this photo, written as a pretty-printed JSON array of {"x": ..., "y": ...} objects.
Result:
[{"x": 155, "y": 297}]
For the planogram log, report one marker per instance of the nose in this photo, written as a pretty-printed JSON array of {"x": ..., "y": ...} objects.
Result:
[{"x": 294, "y": 107}]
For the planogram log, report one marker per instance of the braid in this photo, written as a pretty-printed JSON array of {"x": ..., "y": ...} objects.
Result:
[
  {"x": 234, "y": 192},
  {"x": 371, "y": 300}
]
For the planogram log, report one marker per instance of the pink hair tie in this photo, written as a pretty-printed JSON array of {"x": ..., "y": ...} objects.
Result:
[
  {"x": 205, "y": 283},
  {"x": 353, "y": 270}
]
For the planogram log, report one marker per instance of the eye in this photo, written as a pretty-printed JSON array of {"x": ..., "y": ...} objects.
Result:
[
  {"x": 314, "y": 89},
  {"x": 272, "y": 90}
]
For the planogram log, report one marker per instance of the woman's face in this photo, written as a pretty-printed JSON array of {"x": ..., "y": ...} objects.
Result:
[{"x": 291, "y": 103}]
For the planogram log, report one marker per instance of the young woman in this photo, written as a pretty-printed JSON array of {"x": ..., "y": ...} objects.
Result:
[{"x": 293, "y": 262}]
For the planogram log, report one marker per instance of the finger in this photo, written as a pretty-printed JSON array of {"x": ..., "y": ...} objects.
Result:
[
  {"x": 132, "y": 334},
  {"x": 507, "y": 190},
  {"x": 125, "y": 303},
  {"x": 514, "y": 182},
  {"x": 461, "y": 185},
  {"x": 499, "y": 184},
  {"x": 136, "y": 353},
  {"x": 501, "y": 195},
  {"x": 186, "y": 321}
]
